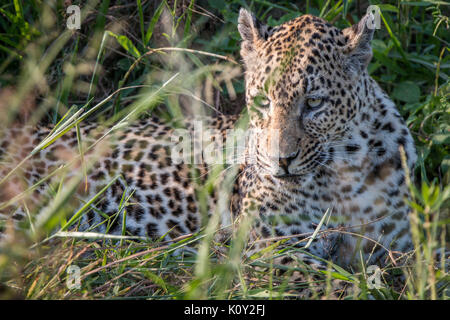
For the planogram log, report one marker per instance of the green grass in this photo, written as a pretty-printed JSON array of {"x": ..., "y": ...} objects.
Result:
[{"x": 135, "y": 58}]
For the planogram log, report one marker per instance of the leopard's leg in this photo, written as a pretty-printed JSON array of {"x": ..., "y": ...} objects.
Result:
[
  {"x": 300, "y": 274},
  {"x": 306, "y": 272}
]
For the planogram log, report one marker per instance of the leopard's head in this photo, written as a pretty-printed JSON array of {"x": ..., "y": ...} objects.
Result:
[{"x": 305, "y": 82}]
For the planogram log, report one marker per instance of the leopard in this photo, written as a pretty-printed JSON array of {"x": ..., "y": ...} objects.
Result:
[{"x": 327, "y": 160}]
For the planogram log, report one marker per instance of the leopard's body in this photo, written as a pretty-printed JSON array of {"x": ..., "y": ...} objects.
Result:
[
  {"x": 162, "y": 193},
  {"x": 340, "y": 155}
]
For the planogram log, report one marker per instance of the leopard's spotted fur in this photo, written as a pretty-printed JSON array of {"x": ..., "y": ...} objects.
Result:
[{"x": 341, "y": 156}]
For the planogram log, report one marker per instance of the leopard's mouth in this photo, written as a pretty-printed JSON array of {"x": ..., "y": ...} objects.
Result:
[{"x": 288, "y": 176}]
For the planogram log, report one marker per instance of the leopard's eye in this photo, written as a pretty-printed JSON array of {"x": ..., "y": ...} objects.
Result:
[
  {"x": 314, "y": 103},
  {"x": 262, "y": 102},
  {"x": 265, "y": 103}
]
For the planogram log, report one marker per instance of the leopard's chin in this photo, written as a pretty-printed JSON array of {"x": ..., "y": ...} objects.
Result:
[{"x": 293, "y": 178}]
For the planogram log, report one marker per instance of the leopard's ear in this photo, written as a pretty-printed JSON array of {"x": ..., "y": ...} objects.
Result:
[
  {"x": 358, "y": 50},
  {"x": 252, "y": 31}
]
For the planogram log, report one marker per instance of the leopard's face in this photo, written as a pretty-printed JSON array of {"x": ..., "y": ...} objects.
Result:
[{"x": 305, "y": 82}]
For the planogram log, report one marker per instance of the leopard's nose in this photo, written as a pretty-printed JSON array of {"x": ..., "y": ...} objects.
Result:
[{"x": 284, "y": 162}]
